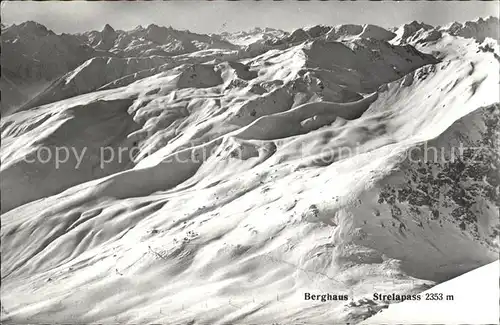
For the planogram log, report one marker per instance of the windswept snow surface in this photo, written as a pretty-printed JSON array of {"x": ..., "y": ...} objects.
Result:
[
  {"x": 217, "y": 179},
  {"x": 475, "y": 301}
]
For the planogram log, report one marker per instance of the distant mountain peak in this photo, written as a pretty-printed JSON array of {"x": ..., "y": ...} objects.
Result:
[
  {"x": 419, "y": 23},
  {"x": 478, "y": 29},
  {"x": 108, "y": 29},
  {"x": 33, "y": 27}
]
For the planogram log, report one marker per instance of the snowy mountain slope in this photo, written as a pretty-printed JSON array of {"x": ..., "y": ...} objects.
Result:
[
  {"x": 475, "y": 301},
  {"x": 330, "y": 33},
  {"x": 101, "y": 71},
  {"x": 90, "y": 76},
  {"x": 17, "y": 91},
  {"x": 188, "y": 80},
  {"x": 408, "y": 32},
  {"x": 254, "y": 180},
  {"x": 344, "y": 32},
  {"x": 33, "y": 55},
  {"x": 31, "y": 51},
  {"x": 88, "y": 127}
]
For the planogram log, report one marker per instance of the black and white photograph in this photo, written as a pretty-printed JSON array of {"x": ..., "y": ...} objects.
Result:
[{"x": 250, "y": 162}]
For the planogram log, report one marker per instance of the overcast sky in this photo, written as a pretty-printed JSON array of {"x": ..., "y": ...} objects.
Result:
[{"x": 218, "y": 16}]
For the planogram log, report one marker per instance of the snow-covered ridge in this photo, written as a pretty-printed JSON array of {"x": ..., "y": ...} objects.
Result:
[
  {"x": 152, "y": 40},
  {"x": 479, "y": 30}
]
